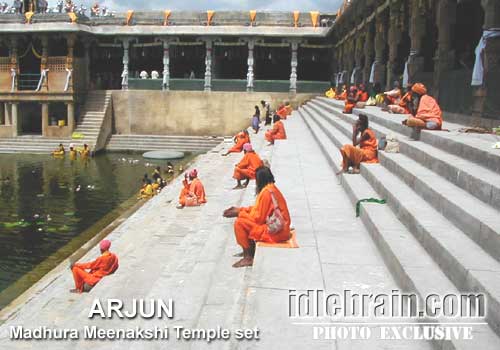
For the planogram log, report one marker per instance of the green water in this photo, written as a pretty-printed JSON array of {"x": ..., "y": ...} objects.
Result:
[{"x": 49, "y": 207}]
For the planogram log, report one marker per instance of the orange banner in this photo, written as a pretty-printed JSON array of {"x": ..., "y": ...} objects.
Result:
[
  {"x": 166, "y": 15},
  {"x": 296, "y": 15},
  {"x": 210, "y": 15},
  {"x": 314, "y": 18},
  {"x": 253, "y": 14},
  {"x": 130, "y": 14}
]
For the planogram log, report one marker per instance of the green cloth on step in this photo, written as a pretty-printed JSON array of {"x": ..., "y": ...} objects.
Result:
[{"x": 368, "y": 200}]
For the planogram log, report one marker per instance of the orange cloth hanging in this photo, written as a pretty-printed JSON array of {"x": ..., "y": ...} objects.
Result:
[
  {"x": 210, "y": 15},
  {"x": 296, "y": 15},
  {"x": 166, "y": 15},
  {"x": 130, "y": 14},
  {"x": 314, "y": 18}
]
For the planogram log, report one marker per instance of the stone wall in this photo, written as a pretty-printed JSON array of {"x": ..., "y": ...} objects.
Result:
[{"x": 195, "y": 113}]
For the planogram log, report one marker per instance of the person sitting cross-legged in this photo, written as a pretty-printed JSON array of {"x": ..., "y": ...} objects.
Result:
[
  {"x": 245, "y": 169},
  {"x": 268, "y": 220},
  {"x": 428, "y": 113},
  {"x": 239, "y": 140},
  {"x": 193, "y": 193},
  {"x": 367, "y": 150},
  {"x": 104, "y": 265},
  {"x": 277, "y": 132}
]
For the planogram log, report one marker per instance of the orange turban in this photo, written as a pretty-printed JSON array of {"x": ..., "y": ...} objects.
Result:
[{"x": 419, "y": 88}]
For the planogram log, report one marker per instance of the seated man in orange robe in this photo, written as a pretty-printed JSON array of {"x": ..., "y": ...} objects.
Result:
[
  {"x": 239, "y": 139},
  {"x": 104, "y": 265},
  {"x": 282, "y": 112},
  {"x": 352, "y": 99},
  {"x": 362, "y": 93},
  {"x": 428, "y": 113},
  {"x": 193, "y": 193},
  {"x": 268, "y": 220},
  {"x": 392, "y": 97},
  {"x": 367, "y": 151},
  {"x": 277, "y": 132},
  {"x": 245, "y": 169},
  {"x": 342, "y": 96}
]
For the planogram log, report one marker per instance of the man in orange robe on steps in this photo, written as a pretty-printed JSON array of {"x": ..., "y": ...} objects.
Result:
[
  {"x": 282, "y": 112},
  {"x": 193, "y": 193},
  {"x": 104, "y": 265},
  {"x": 240, "y": 139},
  {"x": 277, "y": 132},
  {"x": 245, "y": 169},
  {"x": 252, "y": 223},
  {"x": 428, "y": 113}
]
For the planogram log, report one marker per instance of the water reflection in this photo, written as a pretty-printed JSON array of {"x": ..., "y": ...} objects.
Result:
[{"x": 47, "y": 202}]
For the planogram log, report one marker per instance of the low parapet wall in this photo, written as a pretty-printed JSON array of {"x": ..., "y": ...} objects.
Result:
[{"x": 193, "y": 113}]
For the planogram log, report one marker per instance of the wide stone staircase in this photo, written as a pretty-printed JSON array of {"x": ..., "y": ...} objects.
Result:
[
  {"x": 159, "y": 142},
  {"x": 439, "y": 231},
  {"x": 30, "y": 144}
]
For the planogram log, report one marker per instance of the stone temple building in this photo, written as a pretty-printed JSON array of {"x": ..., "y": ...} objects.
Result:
[{"x": 201, "y": 73}]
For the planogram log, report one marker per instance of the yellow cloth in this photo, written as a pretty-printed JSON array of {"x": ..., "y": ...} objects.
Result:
[
  {"x": 314, "y": 18},
  {"x": 130, "y": 14},
  {"x": 210, "y": 15},
  {"x": 73, "y": 17},
  {"x": 28, "y": 16},
  {"x": 296, "y": 15},
  {"x": 253, "y": 14},
  {"x": 166, "y": 15}
]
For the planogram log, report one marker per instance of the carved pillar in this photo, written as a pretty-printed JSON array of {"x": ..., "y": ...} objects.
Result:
[
  {"x": 45, "y": 118},
  {"x": 293, "y": 74},
  {"x": 369, "y": 51},
  {"x": 14, "y": 115},
  {"x": 166, "y": 65},
  {"x": 126, "y": 47},
  {"x": 417, "y": 32},
  {"x": 87, "y": 47},
  {"x": 71, "y": 40},
  {"x": 491, "y": 13},
  {"x": 44, "y": 62},
  {"x": 394, "y": 38},
  {"x": 71, "y": 116},
  {"x": 358, "y": 57},
  {"x": 208, "y": 65},
  {"x": 444, "y": 58},
  {"x": 380, "y": 43},
  {"x": 250, "y": 63},
  {"x": 14, "y": 63}
]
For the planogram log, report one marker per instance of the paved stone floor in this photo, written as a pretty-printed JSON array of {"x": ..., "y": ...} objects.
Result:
[{"x": 187, "y": 254}]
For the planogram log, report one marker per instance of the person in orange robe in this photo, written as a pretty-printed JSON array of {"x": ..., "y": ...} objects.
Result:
[
  {"x": 428, "y": 113},
  {"x": 239, "y": 139},
  {"x": 282, "y": 112},
  {"x": 251, "y": 224},
  {"x": 367, "y": 150},
  {"x": 405, "y": 105},
  {"x": 193, "y": 193},
  {"x": 245, "y": 169},
  {"x": 288, "y": 108},
  {"x": 362, "y": 93},
  {"x": 351, "y": 100},
  {"x": 343, "y": 94},
  {"x": 104, "y": 265},
  {"x": 277, "y": 132},
  {"x": 392, "y": 97}
]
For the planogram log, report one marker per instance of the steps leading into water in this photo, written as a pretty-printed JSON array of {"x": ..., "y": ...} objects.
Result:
[
  {"x": 30, "y": 144},
  {"x": 434, "y": 234},
  {"x": 158, "y": 142}
]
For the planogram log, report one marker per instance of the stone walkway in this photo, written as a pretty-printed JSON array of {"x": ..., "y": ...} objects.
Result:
[{"x": 187, "y": 254}]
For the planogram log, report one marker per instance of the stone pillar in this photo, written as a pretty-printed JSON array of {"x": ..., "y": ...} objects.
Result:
[
  {"x": 166, "y": 66},
  {"x": 7, "y": 113},
  {"x": 45, "y": 118},
  {"x": 417, "y": 32},
  {"x": 14, "y": 115},
  {"x": 250, "y": 63},
  {"x": 394, "y": 38},
  {"x": 445, "y": 57},
  {"x": 44, "y": 62},
  {"x": 3, "y": 119},
  {"x": 380, "y": 42},
  {"x": 71, "y": 40},
  {"x": 369, "y": 50},
  {"x": 294, "y": 63},
  {"x": 358, "y": 57},
  {"x": 126, "y": 47},
  {"x": 87, "y": 44},
  {"x": 208, "y": 65},
  {"x": 71, "y": 116},
  {"x": 491, "y": 13},
  {"x": 14, "y": 63}
]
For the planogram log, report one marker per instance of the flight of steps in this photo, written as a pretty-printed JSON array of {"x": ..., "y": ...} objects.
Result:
[
  {"x": 92, "y": 117},
  {"x": 30, "y": 144},
  {"x": 159, "y": 142},
  {"x": 442, "y": 211}
]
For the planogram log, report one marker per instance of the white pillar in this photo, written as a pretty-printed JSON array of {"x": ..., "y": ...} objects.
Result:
[
  {"x": 208, "y": 66},
  {"x": 14, "y": 115},
  {"x": 294, "y": 63},
  {"x": 126, "y": 46},
  {"x": 71, "y": 116},
  {"x": 166, "y": 66},
  {"x": 250, "y": 62}
]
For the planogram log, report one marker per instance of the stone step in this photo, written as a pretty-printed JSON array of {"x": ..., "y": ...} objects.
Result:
[
  {"x": 480, "y": 221},
  {"x": 465, "y": 263},
  {"x": 478, "y": 180},
  {"x": 468, "y": 146},
  {"x": 410, "y": 264}
]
